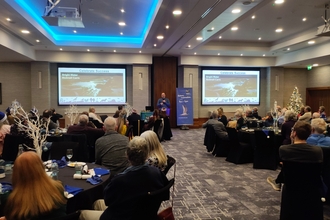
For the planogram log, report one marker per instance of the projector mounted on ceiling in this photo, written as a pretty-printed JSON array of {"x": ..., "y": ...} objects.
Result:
[
  {"x": 324, "y": 30},
  {"x": 62, "y": 16}
]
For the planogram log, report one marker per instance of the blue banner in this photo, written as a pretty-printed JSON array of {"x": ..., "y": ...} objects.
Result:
[{"x": 184, "y": 106}]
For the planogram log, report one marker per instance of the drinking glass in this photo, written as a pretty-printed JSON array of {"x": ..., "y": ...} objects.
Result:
[{"x": 69, "y": 154}]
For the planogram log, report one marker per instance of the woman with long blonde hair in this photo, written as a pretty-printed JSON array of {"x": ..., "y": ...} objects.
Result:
[
  {"x": 122, "y": 123},
  {"x": 157, "y": 156},
  {"x": 35, "y": 195}
]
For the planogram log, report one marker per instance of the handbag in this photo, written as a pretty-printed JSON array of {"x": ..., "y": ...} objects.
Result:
[{"x": 167, "y": 214}]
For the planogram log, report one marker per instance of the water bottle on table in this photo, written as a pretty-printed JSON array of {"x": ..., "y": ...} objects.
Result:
[{"x": 55, "y": 170}]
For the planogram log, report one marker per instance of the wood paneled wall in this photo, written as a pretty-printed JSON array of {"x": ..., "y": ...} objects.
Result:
[{"x": 164, "y": 79}]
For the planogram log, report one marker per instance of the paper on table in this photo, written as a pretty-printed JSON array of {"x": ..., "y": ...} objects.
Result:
[{"x": 79, "y": 176}]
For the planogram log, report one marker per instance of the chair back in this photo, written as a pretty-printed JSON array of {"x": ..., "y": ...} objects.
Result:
[
  {"x": 137, "y": 127},
  {"x": 10, "y": 147},
  {"x": 103, "y": 117},
  {"x": 97, "y": 123},
  {"x": 265, "y": 153},
  {"x": 233, "y": 136},
  {"x": 159, "y": 128},
  {"x": 209, "y": 138},
  {"x": 83, "y": 151},
  {"x": 58, "y": 150},
  {"x": 170, "y": 162}
]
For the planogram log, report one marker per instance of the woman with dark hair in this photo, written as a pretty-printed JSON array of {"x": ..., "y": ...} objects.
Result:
[
  {"x": 35, "y": 195},
  {"x": 155, "y": 116},
  {"x": 222, "y": 117}
]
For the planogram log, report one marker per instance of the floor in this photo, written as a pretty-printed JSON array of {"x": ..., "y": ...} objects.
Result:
[{"x": 209, "y": 187}]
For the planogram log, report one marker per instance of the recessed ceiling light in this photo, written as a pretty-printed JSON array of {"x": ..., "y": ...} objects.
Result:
[
  {"x": 235, "y": 11},
  {"x": 304, "y": 19},
  {"x": 121, "y": 33},
  {"x": 218, "y": 54},
  {"x": 234, "y": 28},
  {"x": 199, "y": 38},
  {"x": 279, "y": 1},
  {"x": 311, "y": 42},
  {"x": 212, "y": 28},
  {"x": 155, "y": 45},
  {"x": 8, "y": 19},
  {"x": 195, "y": 53},
  {"x": 278, "y": 30},
  {"x": 177, "y": 12},
  {"x": 140, "y": 51},
  {"x": 88, "y": 50},
  {"x": 74, "y": 31},
  {"x": 189, "y": 45},
  {"x": 259, "y": 38},
  {"x": 61, "y": 49},
  {"x": 253, "y": 17},
  {"x": 167, "y": 27},
  {"x": 220, "y": 37},
  {"x": 37, "y": 40},
  {"x": 25, "y": 31},
  {"x": 114, "y": 51},
  {"x": 122, "y": 10},
  {"x": 160, "y": 37},
  {"x": 122, "y": 23},
  {"x": 315, "y": 64},
  {"x": 288, "y": 48},
  {"x": 241, "y": 54},
  {"x": 264, "y": 55}
]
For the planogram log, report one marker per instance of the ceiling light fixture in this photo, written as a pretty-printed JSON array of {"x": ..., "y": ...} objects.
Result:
[
  {"x": 195, "y": 53},
  {"x": 177, "y": 12},
  {"x": 288, "y": 48},
  {"x": 37, "y": 40},
  {"x": 235, "y": 11},
  {"x": 264, "y": 55},
  {"x": 88, "y": 50},
  {"x": 311, "y": 42},
  {"x": 122, "y": 10},
  {"x": 61, "y": 49},
  {"x": 304, "y": 19},
  {"x": 25, "y": 31},
  {"x": 74, "y": 31},
  {"x": 241, "y": 54},
  {"x": 279, "y": 1},
  {"x": 140, "y": 51},
  {"x": 122, "y": 23},
  {"x": 114, "y": 51},
  {"x": 167, "y": 27},
  {"x": 121, "y": 33},
  {"x": 259, "y": 38},
  {"x": 278, "y": 30},
  {"x": 199, "y": 38},
  {"x": 189, "y": 45},
  {"x": 160, "y": 37},
  {"x": 315, "y": 64},
  {"x": 220, "y": 37},
  {"x": 253, "y": 17},
  {"x": 8, "y": 19},
  {"x": 234, "y": 28},
  {"x": 155, "y": 45},
  {"x": 218, "y": 54}
]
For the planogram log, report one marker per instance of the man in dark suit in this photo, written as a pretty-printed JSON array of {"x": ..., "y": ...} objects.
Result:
[{"x": 133, "y": 117}]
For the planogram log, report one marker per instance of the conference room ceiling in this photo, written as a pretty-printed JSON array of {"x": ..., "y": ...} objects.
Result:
[{"x": 204, "y": 27}]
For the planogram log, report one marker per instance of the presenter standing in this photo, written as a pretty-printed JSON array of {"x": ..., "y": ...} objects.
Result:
[{"x": 164, "y": 102}]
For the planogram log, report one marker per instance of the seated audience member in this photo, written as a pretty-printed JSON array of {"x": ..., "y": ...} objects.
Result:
[
  {"x": 281, "y": 118},
  {"x": 255, "y": 113},
  {"x": 89, "y": 123},
  {"x": 290, "y": 119},
  {"x": 316, "y": 115},
  {"x": 301, "y": 112},
  {"x": 124, "y": 194},
  {"x": 133, "y": 117},
  {"x": 33, "y": 113},
  {"x": 218, "y": 126},
  {"x": 93, "y": 115},
  {"x": 240, "y": 120},
  {"x": 4, "y": 129},
  {"x": 110, "y": 148},
  {"x": 35, "y": 195},
  {"x": 268, "y": 119},
  {"x": 248, "y": 114},
  {"x": 116, "y": 115},
  {"x": 306, "y": 117},
  {"x": 222, "y": 117},
  {"x": 157, "y": 156},
  {"x": 122, "y": 123},
  {"x": 55, "y": 116},
  {"x": 298, "y": 151},
  {"x": 151, "y": 120},
  {"x": 82, "y": 128},
  {"x": 46, "y": 117},
  {"x": 10, "y": 118},
  {"x": 167, "y": 132},
  {"x": 317, "y": 137},
  {"x": 322, "y": 112}
]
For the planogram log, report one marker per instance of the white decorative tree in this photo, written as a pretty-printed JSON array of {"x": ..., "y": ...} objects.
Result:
[
  {"x": 72, "y": 112},
  {"x": 35, "y": 128},
  {"x": 295, "y": 102},
  {"x": 129, "y": 109}
]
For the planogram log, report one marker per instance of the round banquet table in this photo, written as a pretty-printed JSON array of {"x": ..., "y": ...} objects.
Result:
[{"x": 85, "y": 198}]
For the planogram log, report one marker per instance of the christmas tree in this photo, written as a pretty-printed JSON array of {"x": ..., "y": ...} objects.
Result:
[{"x": 295, "y": 102}]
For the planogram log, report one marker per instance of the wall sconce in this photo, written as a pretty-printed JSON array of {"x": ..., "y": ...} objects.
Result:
[
  {"x": 140, "y": 81},
  {"x": 190, "y": 80},
  {"x": 40, "y": 80},
  {"x": 276, "y": 83}
]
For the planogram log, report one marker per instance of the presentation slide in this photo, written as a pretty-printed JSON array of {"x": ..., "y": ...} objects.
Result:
[
  {"x": 230, "y": 87},
  {"x": 91, "y": 86}
]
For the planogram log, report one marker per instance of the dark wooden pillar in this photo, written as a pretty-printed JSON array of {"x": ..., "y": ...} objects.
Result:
[{"x": 164, "y": 79}]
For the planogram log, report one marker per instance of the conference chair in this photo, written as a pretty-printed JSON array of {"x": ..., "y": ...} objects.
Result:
[
  {"x": 58, "y": 150},
  {"x": 170, "y": 162},
  {"x": 10, "y": 147},
  {"x": 239, "y": 152},
  {"x": 302, "y": 191},
  {"x": 265, "y": 152},
  {"x": 158, "y": 128},
  {"x": 83, "y": 152}
]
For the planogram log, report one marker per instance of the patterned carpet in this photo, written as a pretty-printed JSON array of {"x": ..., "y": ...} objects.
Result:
[{"x": 209, "y": 187}]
